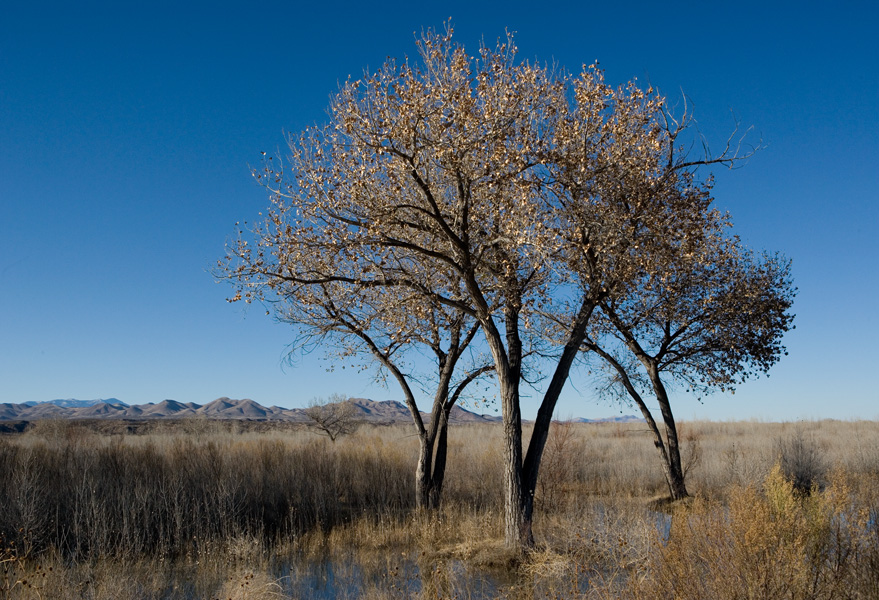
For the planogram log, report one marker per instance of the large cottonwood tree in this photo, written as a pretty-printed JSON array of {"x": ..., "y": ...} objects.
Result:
[{"x": 511, "y": 192}]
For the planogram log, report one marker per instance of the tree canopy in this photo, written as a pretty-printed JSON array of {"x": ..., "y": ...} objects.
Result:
[
  {"x": 707, "y": 319},
  {"x": 514, "y": 194}
]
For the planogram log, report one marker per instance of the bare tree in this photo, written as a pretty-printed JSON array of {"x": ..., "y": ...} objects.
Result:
[
  {"x": 511, "y": 193},
  {"x": 335, "y": 416},
  {"x": 710, "y": 317}
]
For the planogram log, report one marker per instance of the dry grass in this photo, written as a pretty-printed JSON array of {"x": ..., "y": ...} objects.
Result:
[
  {"x": 219, "y": 510},
  {"x": 768, "y": 542}
]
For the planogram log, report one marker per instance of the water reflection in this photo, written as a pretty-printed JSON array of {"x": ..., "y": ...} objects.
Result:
[
  {"x": 407, "y": 574},
  {"x": 609, "y": 545},
  {"x": 396, "y": 575},
  {"x": 415, "y": 575}
]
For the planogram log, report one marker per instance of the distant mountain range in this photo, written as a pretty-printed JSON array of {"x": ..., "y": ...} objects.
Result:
[
  {"x": 385, "y": 412},
  {"x": 221, "y": 408}
]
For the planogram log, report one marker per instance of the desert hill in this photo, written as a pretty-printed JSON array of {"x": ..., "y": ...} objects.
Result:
[
  {"x": 222, "y": 408},
  {"x": 370, "y": 411}
]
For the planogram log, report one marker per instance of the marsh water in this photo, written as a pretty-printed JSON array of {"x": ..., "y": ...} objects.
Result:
[
  {"x": 408, "y": 575},
  {"x": 403, "y": 573},
  {"x": 393, "y": 576}
]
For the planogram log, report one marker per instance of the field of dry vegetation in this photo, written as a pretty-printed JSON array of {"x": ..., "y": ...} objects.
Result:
[{"x": 201, "y": 509}]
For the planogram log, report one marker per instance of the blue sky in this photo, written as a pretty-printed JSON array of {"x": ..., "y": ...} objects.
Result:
[{"x": 126, "y": 131}]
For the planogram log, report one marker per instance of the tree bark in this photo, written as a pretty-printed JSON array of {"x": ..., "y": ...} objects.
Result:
[
  {"x": 423, "y": 473},
  {"x": 439, "y": 465},
  {"x": 507, "y": 359},
  {"x": 518, "y": 533},
  {"x": 674, "y": 471}
]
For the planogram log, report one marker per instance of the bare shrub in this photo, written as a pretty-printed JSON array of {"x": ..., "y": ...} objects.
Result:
[
  {"x": 335, "y": 416},
  {"x": 691, "y": 447},
  {"x": 556, "y": 473},
  {"x": 802, "y": 460}
]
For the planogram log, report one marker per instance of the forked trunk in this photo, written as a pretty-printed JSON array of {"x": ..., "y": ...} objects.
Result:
[
  {"x": 431, "y": 470},
  {"x": 669, "y": 452},
  {"x": 661, "y": 447},
  {"x": 518, "y": 503},
  {"x": 521, "y": 472}
]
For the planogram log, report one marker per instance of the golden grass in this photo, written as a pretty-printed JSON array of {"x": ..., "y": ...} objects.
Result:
[{"x": 212, "y": 510}]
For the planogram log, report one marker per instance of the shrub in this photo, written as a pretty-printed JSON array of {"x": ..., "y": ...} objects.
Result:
[
  {"x": 767, "y": 543},
  {"x": 801, "y": 460}
]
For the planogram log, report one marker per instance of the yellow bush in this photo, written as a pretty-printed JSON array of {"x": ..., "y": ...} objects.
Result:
[{"x": 767, "y": 543}]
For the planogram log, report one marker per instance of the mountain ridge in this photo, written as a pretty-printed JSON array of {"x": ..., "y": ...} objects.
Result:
[{"x": 366, "y": 410}]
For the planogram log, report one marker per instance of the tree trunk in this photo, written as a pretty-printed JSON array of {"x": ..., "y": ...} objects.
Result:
[
  {"x": 658, "y": 441},
  {"x": 669, "y": 454},
  {"x": 540, "y": 433},
  {"x": 674, "y": 476},
  {"x": 439, "y": 464},
  {"x": 507, "y": 359},
  {"x": 518, "y": 533},
  {"x": 423, "y": 473},
  {"x": 674, "y": 470},
  {"x": 520, "y": 472}
]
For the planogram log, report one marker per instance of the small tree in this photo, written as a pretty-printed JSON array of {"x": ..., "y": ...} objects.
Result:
[
  {"x": 335, "y": 416},
  {"x": 708, "y": 316}
]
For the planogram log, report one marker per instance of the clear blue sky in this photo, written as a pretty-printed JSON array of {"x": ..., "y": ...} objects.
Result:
[{"x": 126, "y": 131}]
